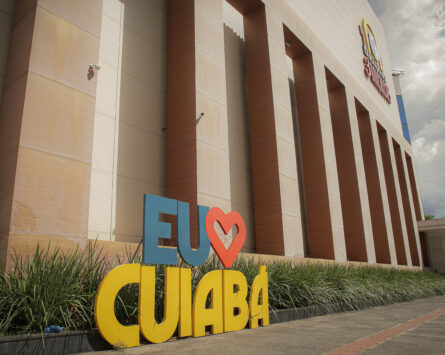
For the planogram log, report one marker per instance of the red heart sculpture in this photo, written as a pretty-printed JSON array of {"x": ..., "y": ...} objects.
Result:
[{"x": 226, "y": 221}]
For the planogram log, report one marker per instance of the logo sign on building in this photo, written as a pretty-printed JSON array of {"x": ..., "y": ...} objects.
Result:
[
  {"x": 227, "y": 289},
  {"x": 372, "y": 61}
]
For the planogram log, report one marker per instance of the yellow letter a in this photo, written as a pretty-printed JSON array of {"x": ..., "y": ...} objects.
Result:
[
  {"x": 259, "y": 310},
  {"x": 202, "y": 316}
]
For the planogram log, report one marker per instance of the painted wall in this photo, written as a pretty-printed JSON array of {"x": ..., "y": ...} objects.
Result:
[
  {"x": 129, "y": 147},
  {"x": 342, "y": 38}
]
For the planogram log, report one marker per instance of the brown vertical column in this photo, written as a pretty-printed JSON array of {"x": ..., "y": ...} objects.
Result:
[
  {"x": 319, "y": 226},
  {"x": 414, "y": 189},
  {"x": 406, "y": 205},
  {"x": 181, "y": 109},
  {"x": 392, "y": 197},
  {"x": 373, "y": 185},
  {"x": 47, "y": 122},
  {"x": 266, "y": 184},
  {"x": 347, "y": 171},
  {"x": 274, "y": 169}
]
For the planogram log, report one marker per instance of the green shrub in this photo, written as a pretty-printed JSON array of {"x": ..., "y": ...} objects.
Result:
[{"x": 58, "y": 288}]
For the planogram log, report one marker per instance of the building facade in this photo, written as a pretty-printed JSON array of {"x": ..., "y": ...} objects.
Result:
[{"x": 284, "y": 111}]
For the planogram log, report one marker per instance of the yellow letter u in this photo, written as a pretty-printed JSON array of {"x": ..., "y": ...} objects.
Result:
[{"x": 153, "y": 331}]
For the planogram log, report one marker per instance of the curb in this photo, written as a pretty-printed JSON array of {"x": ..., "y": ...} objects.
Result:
[{"x": 74, "y": 342}]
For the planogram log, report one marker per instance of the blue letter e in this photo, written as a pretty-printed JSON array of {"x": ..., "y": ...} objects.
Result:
[{"x": 154, "y": 230}]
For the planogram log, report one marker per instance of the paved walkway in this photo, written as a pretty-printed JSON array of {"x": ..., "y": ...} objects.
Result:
[{"x": 416, "y": 327}]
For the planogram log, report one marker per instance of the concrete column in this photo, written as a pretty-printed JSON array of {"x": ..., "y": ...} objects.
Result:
[
  {"x": 213, "y": 164},
  {"x": 47, "y": 120},
  {"x": 359, "y": 245},
  {"x": 410, "y": 217},
  {"x": 333, "y": 188},
  {"x": 197, "y": 147},
  {"x": 393, "y": 193},
  {"x": 418, "y": 207},
  {"x": 274, "y": 172},
  {"x": 361, "y": 177},
  {"x": 383, "y": 190},
  {"x": 381, "y": 228},
  {"x": 399, "y": 200}
]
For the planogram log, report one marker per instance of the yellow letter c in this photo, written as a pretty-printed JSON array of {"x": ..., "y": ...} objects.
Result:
[{"x": 115, "y": 333}]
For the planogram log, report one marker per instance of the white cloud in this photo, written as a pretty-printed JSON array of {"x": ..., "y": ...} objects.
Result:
[
  {"x": 423, "y": 151},
  {"x": 415, "y": 32}
]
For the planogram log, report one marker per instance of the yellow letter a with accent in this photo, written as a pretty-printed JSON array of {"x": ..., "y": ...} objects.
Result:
[
  {"x": 259, "y": 310},
  {"x": 234, "y": 300},
  {"x": 202, "y": 316},
  {"x": 153, "y": 331},
  {"x": 115, "y": 333}
]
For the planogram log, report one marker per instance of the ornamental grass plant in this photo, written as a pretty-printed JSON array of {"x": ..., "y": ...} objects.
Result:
[{"x": 56, "y": 288}]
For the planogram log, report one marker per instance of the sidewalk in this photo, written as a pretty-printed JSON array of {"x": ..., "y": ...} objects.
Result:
[{"x": 416, "y": 327}]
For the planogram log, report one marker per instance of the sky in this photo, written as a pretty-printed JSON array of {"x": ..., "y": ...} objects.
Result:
[{"x": 415, "y": 35}]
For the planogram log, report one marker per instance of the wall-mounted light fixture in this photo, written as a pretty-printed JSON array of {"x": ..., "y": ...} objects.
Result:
[{"x": 91, "y": 70}]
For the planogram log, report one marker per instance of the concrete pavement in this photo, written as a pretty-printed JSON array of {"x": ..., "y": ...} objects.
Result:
[{"x": 416, "y": 327}]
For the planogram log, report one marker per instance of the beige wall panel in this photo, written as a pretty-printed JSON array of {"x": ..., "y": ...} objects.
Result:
[
  {"x": 129, "y": 207},
  {"x": 210, "y": 39},
  {"x": 213, "y": 173},
  {"x": 142, "y": 105},
  {"x": 240, "y": 185},
  {"x": 112, "y": 9},
  {"x": 63, "y": 52},
  {"x": 147, "y": 19},
  {"x": 57, "y": 119},
  {"x": 212, "y": 128},
  {"x": 141, "y": 155},
  {"x": 211, "y": 8},
  {"x": 236, "y": 112},
  {"x": 51, "y": 195},
  {"x": 107, "y": 86},
  {"x": 287, "y": 160},
  {"x": 239, "y": 143},
  {"x": 214, "y": 201},
  {"x": 103, "y": 152},
  {"x": 144, "y": 60},
  {"x": 235, "y": 73},
  {"x": 210, "y": 78},
  {"x": 99, "y": 221},
  {"x": 82, "y": 13},
  {"x": 110, "y": 41},
  {"x": 284, "y": 124}
]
